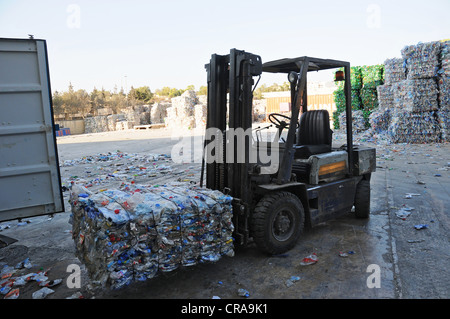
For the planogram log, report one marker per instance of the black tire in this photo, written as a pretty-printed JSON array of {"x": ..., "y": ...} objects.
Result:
[
  {"x": 277, "y": 222},
  {"x": 362, "y": 199}
]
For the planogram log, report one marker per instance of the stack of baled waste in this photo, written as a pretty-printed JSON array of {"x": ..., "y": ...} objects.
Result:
[
  {"x": 181, "y": 115},
  {"x": 379, "y": 120},
  {"x": 358, "y": 121},
  {"x": 200, "y": 112},
  {"x": 417, "y": 95},
  {"x": 138, "y": 231},
  {"x": 416, "y": 98},
  {"x": 444, "y": 91},
  {"x": 413, "y": 128},
  {"x": 394, "y": 70},
  {"x": 385, "y": 95},
  {"x": 158, "y": 112},
  {"x": 422, "y": 60}
]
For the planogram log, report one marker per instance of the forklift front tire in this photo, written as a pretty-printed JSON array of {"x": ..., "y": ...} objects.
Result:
[
  {"x": 362, "y": 199},
  {"x": 277, "y": 222}
]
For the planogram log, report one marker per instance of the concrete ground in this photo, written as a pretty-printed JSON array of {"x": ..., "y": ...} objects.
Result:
[{"x": 386, "y": 256}]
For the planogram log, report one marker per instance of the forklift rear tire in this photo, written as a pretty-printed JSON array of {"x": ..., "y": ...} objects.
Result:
[
  {"x": 362, "y": 199},
  {"x": 277, "y": 222}
]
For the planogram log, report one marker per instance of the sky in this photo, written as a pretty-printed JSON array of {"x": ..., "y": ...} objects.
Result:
[{"x": 113, "y": 44}]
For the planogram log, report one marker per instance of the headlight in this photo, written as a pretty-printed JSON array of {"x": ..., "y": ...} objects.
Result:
[{"x": 292, "y": 77}]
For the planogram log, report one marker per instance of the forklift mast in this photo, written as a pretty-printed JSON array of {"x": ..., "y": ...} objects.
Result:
[{"x": 231, "y": 74}]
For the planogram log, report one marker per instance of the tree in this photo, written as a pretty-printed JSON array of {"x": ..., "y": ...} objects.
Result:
[
  {"x": 143, "y": 94},
  {"x": 170, "y": 92},
  {"x": 57, "y": 102},
  {"x": 203, "y": 90}
]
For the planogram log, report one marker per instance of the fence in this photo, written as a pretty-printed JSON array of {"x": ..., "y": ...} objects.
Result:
[{"x": 281, "y": 104}]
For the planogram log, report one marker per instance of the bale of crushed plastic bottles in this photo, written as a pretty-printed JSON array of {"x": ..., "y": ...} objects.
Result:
[
  {"x": 413, "y": 128},
  {"x": 445, "y": 58},
  {"x": 394, "y": 70},
  {"x": 379, "y": 120},
  {"x": 358, "y": 121},
  {"x": 444, "y": 92},
  {"x": 417, "y": 95},
  {"x": 372, "y": 75},
  {"x": 369, "y": 98},
  {"x": 443, "y": 118},
  {"x": 138, "y": 231},
  {"x": 385, "y": 95},
  {"x": 422, "y": 59}
]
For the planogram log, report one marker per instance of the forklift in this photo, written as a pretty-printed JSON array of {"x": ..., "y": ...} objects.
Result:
[{"x": 313, "y": 181}]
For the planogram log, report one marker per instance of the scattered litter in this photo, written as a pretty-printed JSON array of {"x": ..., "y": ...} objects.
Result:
[
  {"x": 7, "y": 271},
  {"x": 215, "y": 297},
  {"x": 310, "y": 260},
  {"x": 23, "y": 223},
  {"x": 76, "y": 295},
  {"x": 40, "y": 277},
  {"x": 24, "y": 264},
  {"x": 22, "y": 280},
  {"x": 403, "y": 213},
  {"x": 42, "y": 293},
  {"x": 243, "y": 293},
  {"x": 13, "y": 294},
  {"x": 421, "y": 226},
  {"x": 412, "y": 241},
  {"x": 343, "y": 254},
  {"x": 410, "y": 195},
  {"x": 50, "y": 283},
  {"x": 292, "y": 280},
  {"x": 5, "y": 226},
  {"x": 6, "y": 286}
]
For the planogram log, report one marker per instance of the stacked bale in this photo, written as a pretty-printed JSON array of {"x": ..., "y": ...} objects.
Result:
[
  {"x": 394, "y": 70},
  {"x": 187, "y": 111},
  {"x": 422, "y": 60},
  {"x": 444, "y": 91},
  {"x": 416, "y": 95},
  {"x": 181, "y": 114},
  {"x": 358, "y": 121},
  {"x": 364, "y": 81},
  {"x": 134, "y": 233},
  {"x": 200, "y": 112},
  {"x": 416, "y": 98},
  {"x": 159, "y": 112}
]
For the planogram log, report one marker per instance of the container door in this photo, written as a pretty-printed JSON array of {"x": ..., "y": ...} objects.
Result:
[{"x": 30, "y": 182}]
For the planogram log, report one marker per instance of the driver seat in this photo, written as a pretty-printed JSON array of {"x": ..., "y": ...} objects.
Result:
[{"x": 314, "y": 135}]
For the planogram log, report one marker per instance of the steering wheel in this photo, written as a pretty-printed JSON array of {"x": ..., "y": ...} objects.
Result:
[{"x": 274, "y": 119}]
